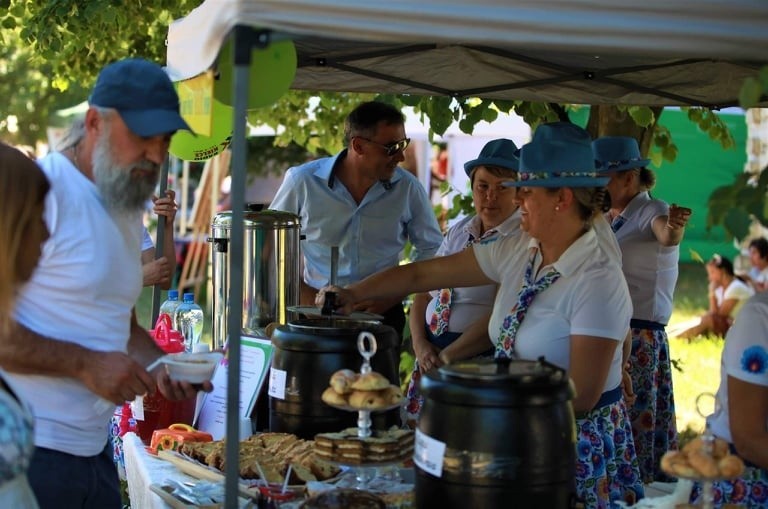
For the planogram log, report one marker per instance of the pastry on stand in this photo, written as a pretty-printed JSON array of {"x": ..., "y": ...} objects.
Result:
[
  {"x": 704, "y": 459},
  {"x": 362, "y": 448}
]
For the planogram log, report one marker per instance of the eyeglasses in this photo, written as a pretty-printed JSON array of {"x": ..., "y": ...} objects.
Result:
[{"x": 390, "y": 148}]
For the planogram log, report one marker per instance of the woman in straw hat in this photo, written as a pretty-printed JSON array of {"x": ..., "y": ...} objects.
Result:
[
  {"x": 564, "y": 274},
  {"x": 439, "y": 318},
  {"x": 23, "y": 187},
  {"x": 649, "y": 232}
]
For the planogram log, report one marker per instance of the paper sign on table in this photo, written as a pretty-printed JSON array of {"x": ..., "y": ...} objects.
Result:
[{"x": 255, "y": 360}]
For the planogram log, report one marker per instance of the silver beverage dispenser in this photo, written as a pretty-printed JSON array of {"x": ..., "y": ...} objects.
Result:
[{"x": 271, "y": 269}]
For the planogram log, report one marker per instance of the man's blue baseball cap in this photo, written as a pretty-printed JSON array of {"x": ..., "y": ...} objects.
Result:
[{"x": 143, "y": 95}]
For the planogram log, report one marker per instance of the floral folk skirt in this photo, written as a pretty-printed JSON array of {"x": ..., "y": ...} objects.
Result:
[
  {"x": 606, "y": 465},
  {"x": 653, "y": 415}
]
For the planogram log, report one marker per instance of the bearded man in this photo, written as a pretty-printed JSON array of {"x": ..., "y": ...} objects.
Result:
[{"x": 77, "y": 349}]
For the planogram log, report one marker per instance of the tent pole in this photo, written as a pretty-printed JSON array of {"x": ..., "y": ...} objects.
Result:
[
  {"x": 244, "y": 41},
  {"x": 160, "y": 244}
]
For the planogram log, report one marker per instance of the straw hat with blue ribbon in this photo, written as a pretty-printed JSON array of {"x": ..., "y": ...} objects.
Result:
[
  {"x": 617, "y": 153},
  {"x": 559, "y": 155},
  {"x": 501, "y": 152}
]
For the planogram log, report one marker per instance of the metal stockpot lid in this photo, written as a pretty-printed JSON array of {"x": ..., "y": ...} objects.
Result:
[
  {"x": 497, "y": 383},
  {"x": 267, "y": 219},
  {"x": 330, "y": 335}
]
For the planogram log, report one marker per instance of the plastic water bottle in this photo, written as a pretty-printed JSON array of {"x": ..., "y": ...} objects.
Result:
[
  {"x": 189, "y": 321},
  {"x": 169, "y": 306}
]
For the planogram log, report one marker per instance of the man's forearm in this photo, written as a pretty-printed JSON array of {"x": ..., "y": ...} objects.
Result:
[{"x": 25, "y": 351}]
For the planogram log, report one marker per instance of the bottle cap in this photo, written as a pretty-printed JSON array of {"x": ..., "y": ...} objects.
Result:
[
  {"x": 173, "y": 294},
  {"x": 189, "y": 297}
]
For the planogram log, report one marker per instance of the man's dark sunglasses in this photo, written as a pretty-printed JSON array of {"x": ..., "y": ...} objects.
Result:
[{"x": 391, "y": 148}]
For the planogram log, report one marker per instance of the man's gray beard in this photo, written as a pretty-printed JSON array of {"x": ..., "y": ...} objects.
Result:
[{"x": 119, "y": 189}]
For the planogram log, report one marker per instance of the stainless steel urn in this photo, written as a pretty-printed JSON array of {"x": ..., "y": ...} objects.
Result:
[{"x": 271, "y": 273}]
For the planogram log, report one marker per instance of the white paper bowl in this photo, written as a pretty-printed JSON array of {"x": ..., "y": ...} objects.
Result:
[{"x": 194, "y": 368}]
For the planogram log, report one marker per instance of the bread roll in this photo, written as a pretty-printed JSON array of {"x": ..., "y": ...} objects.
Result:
[
  {"x": 705, "y": 464},
  {"x": 676, "y": 463},
  {"x": 367, "y": 400},
  {"x": 342, "y": 381},
  {"x": 731, "y": 466},
  {"x": 331, "y": 397},
  {"x": 392, "y": 395},
  {"x": 372, "y": 381}
]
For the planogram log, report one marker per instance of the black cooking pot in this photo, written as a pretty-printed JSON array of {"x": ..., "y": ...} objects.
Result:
[
  {"x": 309, "y": 351},
  {"x": 508, "y": 433}
]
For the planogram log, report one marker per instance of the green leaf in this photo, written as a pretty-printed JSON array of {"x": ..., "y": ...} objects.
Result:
[
  {"x": 764, "y": 78},
  {"x": 736, "y": 223},
  {"x": 695, "y": 256},
  {"x": 694, "y": 114},
  {"x": 8, "y": 23},
  {"x": 490, "y": 114},
  {"x": 505, "y": 106},
  {"x": 410, "y": 100},
  {"x": 750, "y": 92},
  {"x": 642, "y": 115},
  {"x": 657, "y": 158},
  {"x": 669, "y": 152}
]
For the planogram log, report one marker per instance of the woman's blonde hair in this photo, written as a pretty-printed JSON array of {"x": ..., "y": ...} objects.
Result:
[
  {"x": 23, "y": 187},
  {"x": 590, "y": 202}
]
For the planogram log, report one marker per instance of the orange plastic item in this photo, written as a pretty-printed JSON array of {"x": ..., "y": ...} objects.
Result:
[{"x": 170, "y": 438}]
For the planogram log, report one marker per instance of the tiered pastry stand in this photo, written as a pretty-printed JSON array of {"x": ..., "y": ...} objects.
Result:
[
  {"x": 708, "y": 440},
  {"x": 364, "y": 473}
]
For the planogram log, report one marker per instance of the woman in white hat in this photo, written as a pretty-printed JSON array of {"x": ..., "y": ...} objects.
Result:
[
  {"x": 440, "y": 317},
  {"x": 649, "y": 232},
  {"x": 565, "y": 276}
]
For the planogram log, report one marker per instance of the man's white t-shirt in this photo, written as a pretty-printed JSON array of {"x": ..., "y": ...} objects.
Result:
[{"x": 83, "y": 291}]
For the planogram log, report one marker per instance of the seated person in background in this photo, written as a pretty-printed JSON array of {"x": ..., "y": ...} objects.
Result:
[
  {"x": 162, "y": 270},
  {"x": 742, "y": 415},
  {"x": 758, "y": 258},
  {"x": 438, "y": 318},
  {"x": 727, "y": 293},
  {"x": 23, "y": 187}
]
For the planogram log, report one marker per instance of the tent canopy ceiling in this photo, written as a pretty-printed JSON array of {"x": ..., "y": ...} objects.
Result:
[{"x": 656, "y": 52}]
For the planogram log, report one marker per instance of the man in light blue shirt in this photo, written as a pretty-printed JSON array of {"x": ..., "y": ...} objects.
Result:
[{"x": 361, "y": 201}]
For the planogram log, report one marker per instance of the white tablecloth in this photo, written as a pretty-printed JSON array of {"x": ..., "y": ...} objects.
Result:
[{"x": 142, "y": 470}]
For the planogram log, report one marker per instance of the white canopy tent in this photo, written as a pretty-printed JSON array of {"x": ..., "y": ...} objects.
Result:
[{"x": 654, "y": 52}]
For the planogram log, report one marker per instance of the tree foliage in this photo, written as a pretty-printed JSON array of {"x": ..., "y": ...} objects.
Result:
[{"x": 52, "y": 50}]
